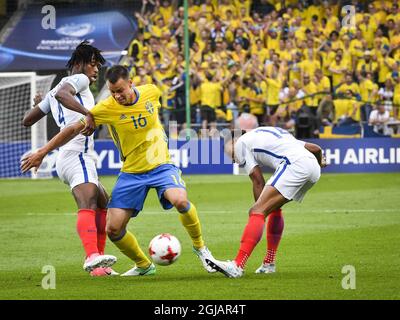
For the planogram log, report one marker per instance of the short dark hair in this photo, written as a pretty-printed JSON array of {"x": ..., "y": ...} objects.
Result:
[
  {"x": 85, "y": 53},
  {"x": 117, "y": 72}
]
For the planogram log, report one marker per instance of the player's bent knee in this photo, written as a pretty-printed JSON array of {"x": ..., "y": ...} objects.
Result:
[
  {"x": 115, "y": 233},
  {"x": 257, "y": 210},
  {"x": 182, "y": 205},
  {"x": 86, "y": 195}
]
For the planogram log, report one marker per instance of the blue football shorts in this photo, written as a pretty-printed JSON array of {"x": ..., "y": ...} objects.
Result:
[{"x": 130, "y": 190}]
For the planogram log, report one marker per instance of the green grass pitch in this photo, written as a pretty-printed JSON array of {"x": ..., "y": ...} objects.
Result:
[{"x": 349, "y": 219}]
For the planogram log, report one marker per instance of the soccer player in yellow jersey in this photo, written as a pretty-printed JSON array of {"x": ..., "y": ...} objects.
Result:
[{"x": 131, "y": 114}]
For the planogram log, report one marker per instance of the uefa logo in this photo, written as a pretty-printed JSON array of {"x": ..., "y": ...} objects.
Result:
[{"x": 76, "y": 30}]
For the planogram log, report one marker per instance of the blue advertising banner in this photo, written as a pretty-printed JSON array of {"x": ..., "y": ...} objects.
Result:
[
  {"x": 192, "y": 157},
  {"x": 34, "y": 45},
  {"x": 208, "y": 157},
  {"x": 361, "y": 155}
]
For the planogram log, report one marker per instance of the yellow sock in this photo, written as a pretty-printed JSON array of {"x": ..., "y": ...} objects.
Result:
[
  {"x": 129, "y": 246},
  {"x": 191, "y": 222}
]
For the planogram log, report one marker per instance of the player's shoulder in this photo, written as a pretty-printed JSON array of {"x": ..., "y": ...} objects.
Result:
[
  {"x": 147, "y": 88},
  {"x": 79, "y": 81},
  {"x": 77, "y": 78}
]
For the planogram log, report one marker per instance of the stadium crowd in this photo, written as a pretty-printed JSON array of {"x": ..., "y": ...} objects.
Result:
[{"x": 297, "y": 64}]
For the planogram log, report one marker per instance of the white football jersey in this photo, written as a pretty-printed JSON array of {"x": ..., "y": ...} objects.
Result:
[
  {"x": 268, "y": 146},
  {"x": 65, "y": 117}
]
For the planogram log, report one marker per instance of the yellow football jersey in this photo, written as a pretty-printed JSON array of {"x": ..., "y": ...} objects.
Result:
[{"x": 136, "y": 129}]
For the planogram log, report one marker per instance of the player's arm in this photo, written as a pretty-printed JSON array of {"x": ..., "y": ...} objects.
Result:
[
  {"x": 317, "y": 152},
  {"x": 257, "y": 178},
  {"x": 35, "y": 114},
  {"x": 32, "y": 116},
  {"x": 34, "y": 160},
  {"x": 66, "y": 96}
]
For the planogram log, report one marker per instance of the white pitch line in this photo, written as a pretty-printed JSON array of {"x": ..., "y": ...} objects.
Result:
[
  {"x": 359, "y": 210},
  {"x": 341, "y": 210}
]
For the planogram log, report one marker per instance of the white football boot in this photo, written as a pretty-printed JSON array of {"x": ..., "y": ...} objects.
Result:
[
  {"x": 204, "y": 255},
  {"x": 96, "y": 261},
  {"x": 136, "y": 271},
  {"x": 228, "y": 268},
  {"x": 266, "y": 268}
]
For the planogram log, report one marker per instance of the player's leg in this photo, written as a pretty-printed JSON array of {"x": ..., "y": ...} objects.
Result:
[
  {"x": 269, "y": 200},
  {"x": 127, "y": 199},
  {"x": 298, "y": 178},
  {"x": 188, "y": 214},
  {"x": 171, "y": 191},
  {"x": 85, "y": 195},
  {"x": 79, "y": 171},
  {"x": 126, "y": 242},
  {"x": 274, "y": 230},
  {"x": 101, "y": 216},
  {"x": 191, "y": 222}
]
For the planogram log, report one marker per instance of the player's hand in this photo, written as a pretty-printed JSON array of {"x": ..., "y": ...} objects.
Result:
[
  {"x": 32, "y": 160},
  {"x": 323, "y": 163},
  {"x": 37, "y": 99},
  {"x": 90, "y": 125}
]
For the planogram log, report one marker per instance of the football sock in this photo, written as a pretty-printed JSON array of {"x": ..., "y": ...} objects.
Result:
[
  {"x": 191, "y": 222},
  {"x": 129, "y": 246},
  {"x": 101, "y": 215},
  {"x": 86, "y": 228},
  {"x": 274, "y": 228},
  {"x": 251, "y": 236}
]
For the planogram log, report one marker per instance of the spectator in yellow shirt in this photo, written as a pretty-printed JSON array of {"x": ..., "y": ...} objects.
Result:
[
  {"x": 396, "y": 94},
  {"x": 260, "y": 51},
  {"x": 239, "y": 55},
  {"x": 310, "y": 89},
  {"x": 272, "y": 40},
  {"x": 295, "y": 67},
  {"x": 257, "y": 98},
  {"x": 386, "y": 65},
  {"x": 211, "y": 93},
  {"x": 332, "y": 22},
  {"x": 368, "y": 29},
  {"x": 274, "y": 85},
  {"x": 367, "y": 64},
  {"x": 223, "y": 7},
  {"x": 338, "y": 68},
  {"x": 346, "y": 110},
  {"x": 324, "y": 84},
  {"x": 159, "y": 28},
  {"x": 349, "y": 85},
  {"x": 166, "y": 9},
  {"x": 368, "y": 93},
  {"x": 309, "y": 65}
]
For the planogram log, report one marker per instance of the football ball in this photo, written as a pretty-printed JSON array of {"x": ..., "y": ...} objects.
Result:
[{"x": 164, "y": 249}]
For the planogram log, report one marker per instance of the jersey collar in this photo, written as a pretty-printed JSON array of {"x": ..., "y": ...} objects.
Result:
[{"x": 137, "y": 95}]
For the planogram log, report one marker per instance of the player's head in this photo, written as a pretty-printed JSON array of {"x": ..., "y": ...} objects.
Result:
[
  {"x": 120, "y": 84},
  {"x": 230, "y": 137},
  {"x": 246, "y": 122},
  {"x": 86, "y": 59}
]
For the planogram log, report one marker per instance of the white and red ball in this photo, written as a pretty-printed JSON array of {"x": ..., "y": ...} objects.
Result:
[{"x": 164, "y": 249}]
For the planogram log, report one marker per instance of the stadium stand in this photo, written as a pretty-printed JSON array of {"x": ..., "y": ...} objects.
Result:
[{"x": 297, "y": 64}]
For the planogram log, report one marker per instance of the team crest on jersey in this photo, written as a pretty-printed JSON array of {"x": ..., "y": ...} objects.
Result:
[
  {"x": 122, "y": 117},
  {"x": 149, "y": 107}
]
